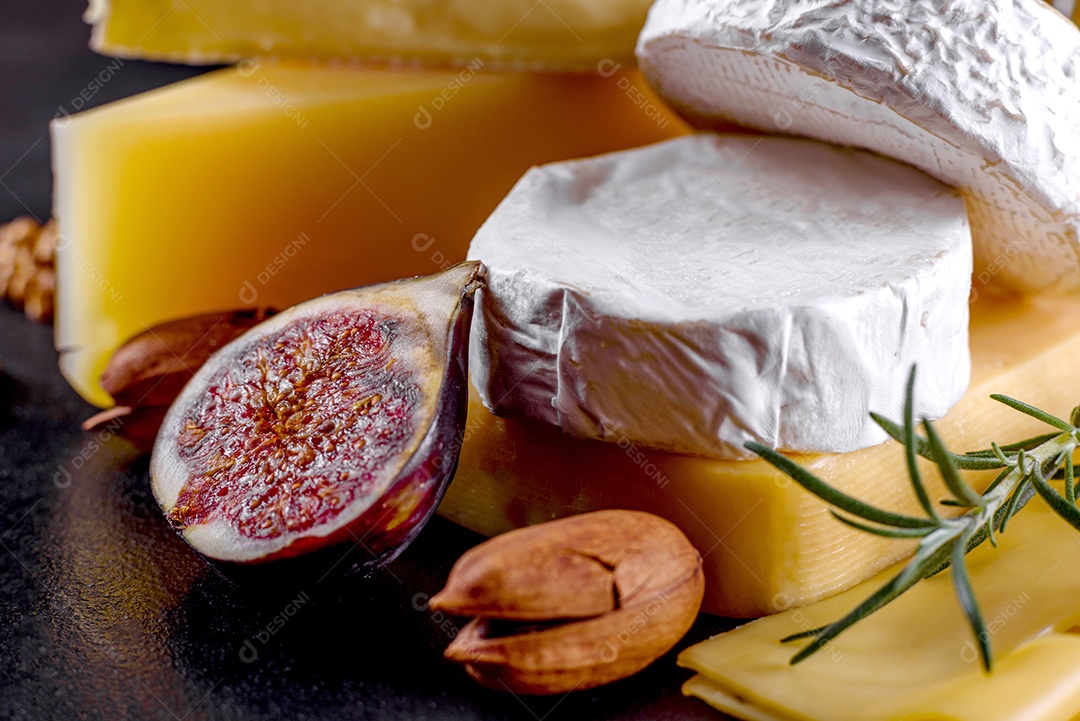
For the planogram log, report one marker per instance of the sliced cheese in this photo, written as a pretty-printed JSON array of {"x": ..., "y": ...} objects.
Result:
[
  {"x": 916, "y": 658},
  {"x": 982, "y": 95},
  {"x": 269, "y": 184},
  {"x": 767, "y": 544},
  {"x": 552, "y": 34},
  {"x": 716, "y": 289}
]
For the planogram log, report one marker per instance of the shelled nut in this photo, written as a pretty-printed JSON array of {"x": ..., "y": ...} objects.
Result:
[{"x": 574, "y": 603}]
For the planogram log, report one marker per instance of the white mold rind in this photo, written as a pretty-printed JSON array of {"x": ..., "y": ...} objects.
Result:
[
  {"x": 981, "y": 94},
  {"x": 707, "y": 291}
]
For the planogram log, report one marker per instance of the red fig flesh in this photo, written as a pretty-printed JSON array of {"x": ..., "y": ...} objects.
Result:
[{"x": 337, "y": 420}]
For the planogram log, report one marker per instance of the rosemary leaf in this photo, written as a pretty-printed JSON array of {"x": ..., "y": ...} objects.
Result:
[
  {"x": 885, "y": 595},
  {"x": 1063, "y": 508},
  {"x": 827, "y": 493},
  {"x": 1070, "y": 484},
  {"x": 1014, "y": 500},
  {"x": 804, "y": 634},
  {"x": 959, "y": 488},
  {"x": 1028, "y": 444},
  {"x": 1032, "y": 411},
  {"x": 881, "y": 530},
  {"x": 966, "y": 596},
  {"x": 1000, "y": 454},
  {"x": 922, "y": 447},
  {"x": 909, "y": 448},
  {"x": 988, "y": 529},
  {"x": 880, "y": 598}
]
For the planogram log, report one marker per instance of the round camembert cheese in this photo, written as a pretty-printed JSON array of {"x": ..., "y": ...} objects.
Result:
[
  {"x": 981, "y": 94},
  {"x": 715, "y": 289}
]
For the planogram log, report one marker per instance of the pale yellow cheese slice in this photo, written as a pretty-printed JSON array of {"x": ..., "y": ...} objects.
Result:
[
  {"x": 916, "y": 658},
  {"x": 268, "y": 184},
  {"x": 768, "y": 545},
  {"x": 547, "y": 34}
]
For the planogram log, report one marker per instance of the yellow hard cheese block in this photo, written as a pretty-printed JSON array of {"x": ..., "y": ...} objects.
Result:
[
  {"x": 267, "y": 184},
  {"x": 768, "y": 545},
  {"x": 556, "y": 34},
  {"x": 916, "y": 659}
]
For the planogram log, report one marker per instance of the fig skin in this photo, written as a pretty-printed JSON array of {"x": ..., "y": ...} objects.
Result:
[{"x": 397, "y": 508}]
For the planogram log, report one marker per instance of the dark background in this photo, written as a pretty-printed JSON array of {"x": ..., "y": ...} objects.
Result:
[
  {"x": 45, "y": 68},
  {"x": 106, "y": 614}
]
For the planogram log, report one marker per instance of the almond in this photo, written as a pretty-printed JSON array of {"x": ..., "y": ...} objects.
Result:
[{"x": 574, "y": 603}]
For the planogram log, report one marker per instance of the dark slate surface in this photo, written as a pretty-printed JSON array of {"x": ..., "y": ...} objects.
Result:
[{"x": 106, "y": 614}]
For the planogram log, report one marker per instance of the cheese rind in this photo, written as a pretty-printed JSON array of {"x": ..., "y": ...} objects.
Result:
[
  {"x": 556, "y": 34},
  {"x": 766, "y": 543},
  {"x": 916, "y": 658},
  {"x": 716, "y": 289},
  {"x": 982, "y": 96},
  {"x": 271, "y": 183}
]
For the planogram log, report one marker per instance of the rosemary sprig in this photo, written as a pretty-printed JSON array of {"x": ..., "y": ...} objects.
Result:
[{"x": 1027, "y": 467}]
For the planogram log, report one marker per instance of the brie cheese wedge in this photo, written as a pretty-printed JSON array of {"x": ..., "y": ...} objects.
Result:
[
  {"x": 710, "y": 290},
  {"x": 983, "y": 95}
]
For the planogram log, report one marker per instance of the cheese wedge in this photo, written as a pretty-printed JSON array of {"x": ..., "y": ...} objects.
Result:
[
  {"x": 717, "y": 289},
  {"x": 767, "y": 544},
  {"x": 267, "y": 184},
  {"x": 916, "y": 658},
  {"x": 983, "y": 95},
  {"x": 555, "y": 34}
]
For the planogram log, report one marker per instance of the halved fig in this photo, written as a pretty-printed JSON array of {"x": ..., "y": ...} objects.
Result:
[{"x": 337, "y": 420}]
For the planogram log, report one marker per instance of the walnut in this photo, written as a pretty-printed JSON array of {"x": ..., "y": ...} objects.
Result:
[{"x": 27, "y": 275}]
